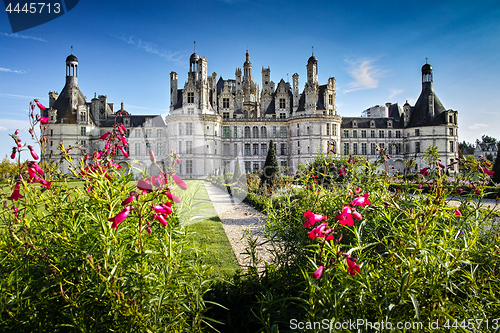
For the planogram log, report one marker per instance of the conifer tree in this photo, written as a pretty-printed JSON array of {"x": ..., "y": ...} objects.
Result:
[
  {"x": 237, "y": 171},
  {"x": 271, "y": 168}
]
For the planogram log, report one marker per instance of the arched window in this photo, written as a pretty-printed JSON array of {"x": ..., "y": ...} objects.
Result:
[
  {"x": 263, "y": 132},
  {"x": 247, "y": 131},
  {"x": 255, "y": 132}
]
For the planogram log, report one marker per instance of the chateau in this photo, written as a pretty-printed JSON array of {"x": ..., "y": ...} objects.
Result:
[{"x": 214, "y": 122}]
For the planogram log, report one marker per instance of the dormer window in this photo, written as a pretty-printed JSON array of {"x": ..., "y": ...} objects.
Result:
[
  {"x": 372, "y": 124},
  {"x": 389, "y": 123},
  {"x": 354, "y": 124}
]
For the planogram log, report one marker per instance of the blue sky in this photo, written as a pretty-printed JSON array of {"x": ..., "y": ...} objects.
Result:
[{"x": 374, "y": 49}]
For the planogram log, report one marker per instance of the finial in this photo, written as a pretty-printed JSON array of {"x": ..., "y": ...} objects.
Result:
[
  {"x": 312, "y": 50},
  {"x": 426, "y": 60},
  {"x": 194, "y": 46},
  {"x": 72, "y": 49}
]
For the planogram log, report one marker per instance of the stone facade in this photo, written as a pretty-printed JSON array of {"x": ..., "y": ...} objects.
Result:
[{"x": 214, "y": 122}]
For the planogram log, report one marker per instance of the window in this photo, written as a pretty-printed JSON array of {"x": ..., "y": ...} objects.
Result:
[
  {"x": 82, "y": 116},
  {"x": 225, "y": 103},
  {"x": 247, "y": 131},
  {"x": 189, "y": 147},
  {"x": 417, "y": 132},
  {"x": 389, "y": 134},
  {"x": 274, "y": 131},
  {"x": 282, "y": 103},
  {"x": 417, "y": 147},
  {"x": 450, "y": 118},
  {"x": 381, "y": 145},
  {"x": 83, "y": 142},
  {"x": 148, "y": 146},
  {"x": 235, "y": 132},
  {"x": 282, "y": 115},
  {"x": 298, "y": 130},
  {"x": 263, "y": 149},
  {"x": 372, "y": 149},
  {"x": 283, "y": 131},
  {"x": 225, "y": 115},
  {"x": 225, "y": 149},
  {"x": 308, "y": 131},
  {"x": 363, "y": 134},
  {"x": 256, "y": 149},
  {"x": 189, "y": 166},
  {"x": 346, "y": 133},
  {"x": 180, "y": 146},
  {"x": 51, "y": 132},
  {"x": 451, "y": 146},
  {"x": 235, "y": 149},
  {"x": 137, "y": 133},
  {"x": 450, "y": 131},
  {"x": 381, "y": 134},
  {"x": 180, "y": 129},
  {"x": 263, "y": 132},
  {"x": 190, "y": 110},
  {"x": 225, "y": 132},
  {"x": 159, "y": 149},
  {"x": 137, "y": 149},
  {"x": 334, "y": 129},
  {"x": 189, "y": 129},
  {"x": 255, "y": 131},
  {"x": 190, "y": 97},
  {"x": 330, "y": 99},
  {"x": 51, "y": 143},
  {"x": 159, "y": 133},
  {"x": 346, "y": 148},
  {"x": 354, "y": 133},
  {"x": 355, "y": 149},
  {"x": 327, "y": 129},
  {"x": 363, "y": 149},
  {"x": 247, "y": 149},
  {"x": 398, "y": 148},
  {"x": 398, "y": 134},
  {"x": 256, "y": 166},
  {"x": 283, "y": 166},
  {"x": 83, "y": 130},
  {"x": 149, "y": 133},
  {"x": 372, "y": 134},
  {"x": 247, "y": 167},
  {"x": 283, "y": 149}
]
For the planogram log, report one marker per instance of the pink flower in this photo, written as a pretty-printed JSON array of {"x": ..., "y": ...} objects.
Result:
[
  {"x": 44, "y": 120},
  {"x": 148, "y": 229},
  {"x": 124, "y": 152},
  {"x": 460, "y": 190},
  {"x": 144, "y": 185},
  {"x": 361, "y": 201},
  {"x": 458, "y": 213},
  {"x": 152, "y": 156},
  {"x": 16, "y": 195},
  {"x": 120, "y": 217},
  {"x": 357, "y": 215},
  {"x": 420, "y": 186},
  {"x": 172, "y": 197},
  {"x": 160, "y": 219},
  {"x": 162, "y": 209},
  {"x": 441, "y": 165},
  {"x": 13, "y": 155},
  {"x": 179, "y": 182},
  {"x": 345, "y": 218},
  {"x": 33, "y": 152},
  {"x": 123, "y": 140},
  {"x": 39, "y": 105},
  {"x": 312, "y": 218},
  {"x": 104, "y": 136},
  {"x": 425, "y": 171},
  {"x": 342, "y": 171},
  {"x": 352, "y": 265},
  {"x": 320, "y": 231},
  {"x": 177, "y": 159},
  {"x": 122, "y": 128},
  {"x": 128, "y": 200},
  {"x": 318, "y": 272},
  {"x": 357, "y": 190}
]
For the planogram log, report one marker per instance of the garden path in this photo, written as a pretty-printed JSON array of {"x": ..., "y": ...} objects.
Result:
[{"x": 239, "y": 220}]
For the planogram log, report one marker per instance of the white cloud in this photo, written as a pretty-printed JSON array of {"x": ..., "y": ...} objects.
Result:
[
  {"x": 394, "y": 92},
  {"x": 13, "y": 124},
  {"x": 152, "y": 48},
  {"x": 365, "y": 75},
  {"x": 8, "y": 70},
  {"x": 143, "y": 108},
  {"x": 477, "y": 126},
  {"x": 22, "y": 36},
  {"x": 3, "y": 129},
  {"x": 16, "y": 96}
]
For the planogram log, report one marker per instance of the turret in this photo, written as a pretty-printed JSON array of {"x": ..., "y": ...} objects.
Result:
[{"x": 173, "y": 89}]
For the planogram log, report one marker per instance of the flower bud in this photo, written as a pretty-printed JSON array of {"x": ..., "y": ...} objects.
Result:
[{"x": 152, "y": 156}]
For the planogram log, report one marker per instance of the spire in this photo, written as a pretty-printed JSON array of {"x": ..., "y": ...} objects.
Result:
[
  {"x": 71, "y": 49},
  {"x": 194, "y": 47}
]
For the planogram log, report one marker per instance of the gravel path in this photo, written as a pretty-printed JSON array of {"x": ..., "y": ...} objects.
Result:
[{"x": 239, "y": 220}]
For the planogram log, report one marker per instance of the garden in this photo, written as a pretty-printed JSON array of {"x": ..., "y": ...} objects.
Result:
[{"x": 354, "y": 248}]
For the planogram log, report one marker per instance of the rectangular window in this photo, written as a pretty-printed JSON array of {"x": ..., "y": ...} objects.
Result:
[
  {"x": 417, "y": 147},
  {"x": 149, "y": 133},
  {"x": 381, "y": 134},
  {"x": 354, "y": 133},
  {"x": 190, "y": 110},
  {"x": 180, "y": 147},
  {"x": 389, "y": 134},
  {"x": 346, "y": 148},
  {"x": 159, "y": 133},
  {"x": 346, "y": 133},
  {"x": 247, "y": 131},
  {"x": 83, "y": 130},
  {"x": 225, "y": 103},
  {"x": 398, "y": 134},
  {"x": 248, "y": 166},
  {"x": 282, "y": 103},
  {"x": 451, "y": 146},
  {"x": 189, "y": 147},
  {"x": 148, "y": 146},
  {"x": 274, "y": 131},
  {"x": 256, "y": 166},
  {"x": 83, "y": 142},
  {"x": 225, "y": 149},
  {"x": 190, "y": 97},
  {"x": 235, "y": 149},
  {"x": 137, "y": 149},
  {"x": 282, "y": 115},
  {"x": 334, "y": 129},
  {"x": 355, "y": 149},
  {"x": 159, "y": 149},
  {"x": 372, "y": 134},
  {"x": 82, "y": 116},
  {"x": 263, "y": 149},
  {"x": 363, "y": 149},
  {"x": 225, "y": 132},
  {"x": 450, "y": 131},
  {"x": 225, "y": 115},
  {"x": 263, "y": 132},
  {"x": 417, "y": 132},
  {"x": 283, "y": 131},
  {"x": 372, "y": 149},
  {"x": 247, "y": 149},
  {"x": 398, "y": 148},
  {"x": 51, "y": 132},
  {"x": 235, "y": 132},
  {"x": 330, "y": 99},
  {"x": 256, "y": 149},
  {"x": 363, "y": 134},
  {"x": 189, "y": 128},
  {"x": 255, "y": 131},
  {"x": 327, "y": 129},
  {"x": 189, "y": 166},
  {"x": 283, "y": 149},
  {"x": 381, "y": 145},
  {"x": 137, "y": 133}
]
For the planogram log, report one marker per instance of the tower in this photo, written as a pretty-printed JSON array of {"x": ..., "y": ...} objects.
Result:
[
  {"x": 173, "y": 90},
  {"x": 312, "y": 70},
  {"x": 247, "y": 68}
]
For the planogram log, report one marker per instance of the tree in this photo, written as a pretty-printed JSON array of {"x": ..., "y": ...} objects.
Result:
[
  {"x": 271, "y": 168},
  {"x": 7, "y": 169},
  {"x": 496, "y": 167},
  {"x": 431, "y": 155},
  {"x": 488, "y": 139}
]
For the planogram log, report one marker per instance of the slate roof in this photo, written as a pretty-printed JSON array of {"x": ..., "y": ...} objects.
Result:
[
  {"x": 63, "y": 106},
  {"x": 135, "y": 121},
  {"x": 364, "y": 122}
]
